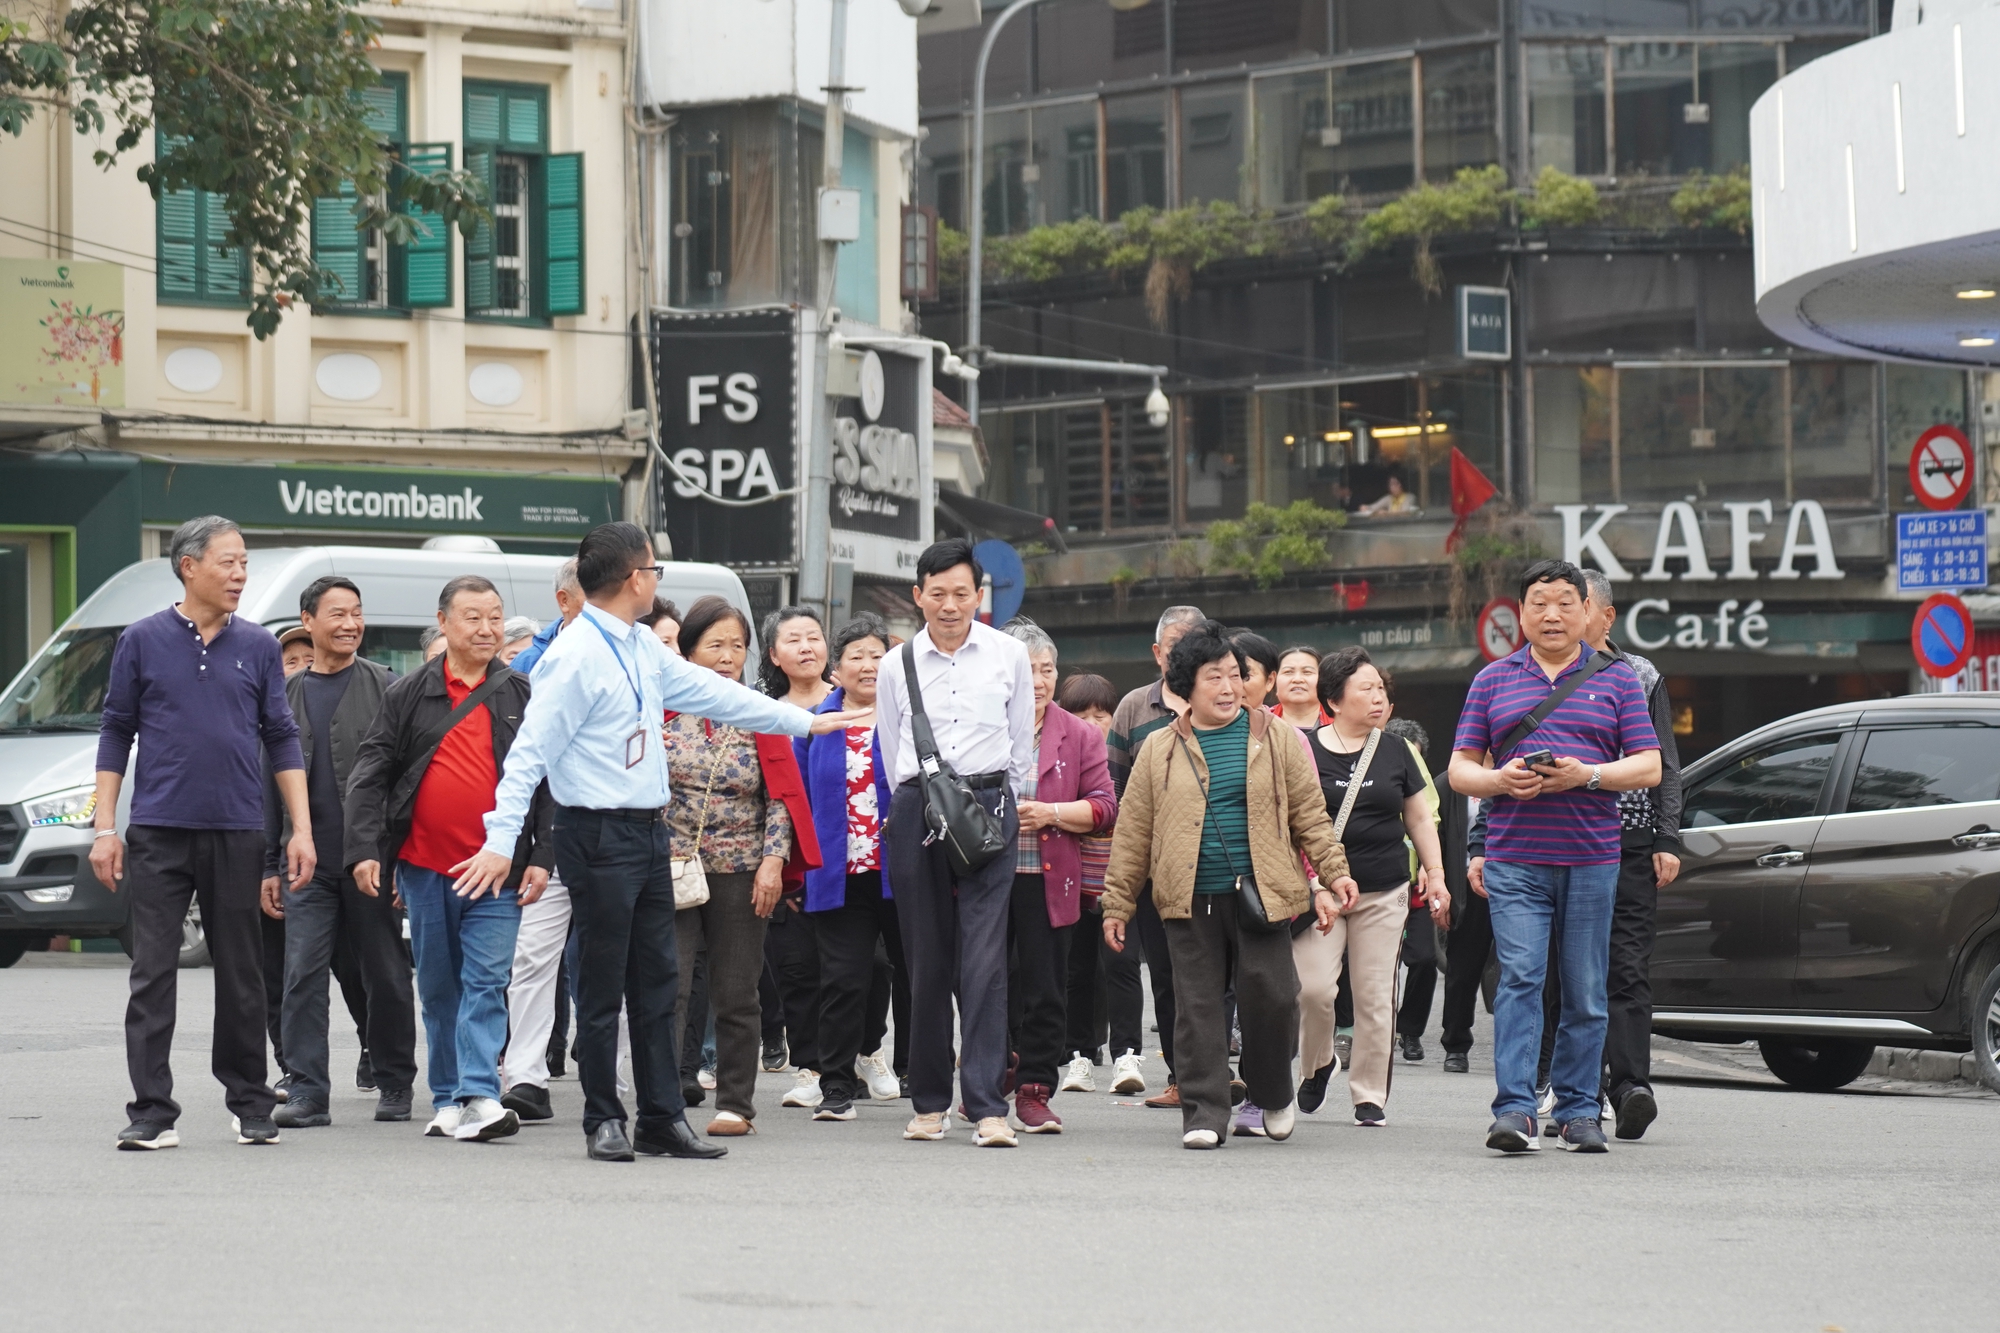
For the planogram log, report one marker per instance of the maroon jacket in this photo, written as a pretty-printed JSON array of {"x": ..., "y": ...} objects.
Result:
[{"x": 1072, "y": 767}]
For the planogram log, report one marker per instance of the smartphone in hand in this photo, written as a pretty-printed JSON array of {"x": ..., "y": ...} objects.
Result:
[{"x": 1540, "y": 759}]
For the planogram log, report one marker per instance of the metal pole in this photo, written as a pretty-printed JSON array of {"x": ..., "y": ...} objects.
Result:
[
  {"x": 816, "y": 537},
  {"x": 976, "y": 205}
]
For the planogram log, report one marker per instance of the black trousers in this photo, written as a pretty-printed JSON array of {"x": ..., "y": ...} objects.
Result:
[
  {"x": 1420, "y": 955},
  {"x": 1628, "y": 1039},
  {"x": 1467, "y": 948},
  {"x": 1160, "y": 969},
  {"x": 954, "y": 936},
  {"x": 273, "y": 928},
  {"x": 889, "y": 994},
  {"x": 223, "y": 871},
  {"x": 1103, "y": 1002},
  {"x": 621, "y": 892},
  {"x": 1124, "y": 992},
  {"x": 1037, "y": 980},
  {"x": 694, "y": 1022},
  {"x": 793, "y": 958},
  {"x": 1209, "y": 953},
  {"x": 848, "y": 937},
  {"x": 316, "y": 917}
]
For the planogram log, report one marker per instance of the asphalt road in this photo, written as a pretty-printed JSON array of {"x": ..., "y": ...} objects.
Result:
[{"x": 1748, "y": 1206}]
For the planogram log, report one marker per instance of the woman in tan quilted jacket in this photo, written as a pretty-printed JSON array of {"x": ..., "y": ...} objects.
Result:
[{"x": 1216, "y": 813}]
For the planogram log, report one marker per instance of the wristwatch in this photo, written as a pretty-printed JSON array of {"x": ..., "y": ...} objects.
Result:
[{"x": 1595, "y": 778}]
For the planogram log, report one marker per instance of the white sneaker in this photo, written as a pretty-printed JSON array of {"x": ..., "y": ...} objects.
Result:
[
  {"x": 445, "y": 1123},
  {"x": 1125, "y": 1074},
  {"x": 804, "y": 1092},
  {"x": 1201, "y": 1138},
  {"x": 929, "y": 1126},
  {"x": 1077, "y": 1076},
  {"x": 706, "y": 1078},
  {"x": 874, "y": 1071},
  {"x": 482, "y": 1119},
  {"x": 1278, "y": 1124}
]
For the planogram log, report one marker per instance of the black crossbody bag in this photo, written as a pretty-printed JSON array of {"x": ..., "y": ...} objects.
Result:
[
  {"x": 426, "y": 747},
  {"x": 972, "y": 835},
  {"x": 1526, "y": 726}
]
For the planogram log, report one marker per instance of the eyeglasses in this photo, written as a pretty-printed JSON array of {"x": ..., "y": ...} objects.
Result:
[{"x": 659, "y": 571}]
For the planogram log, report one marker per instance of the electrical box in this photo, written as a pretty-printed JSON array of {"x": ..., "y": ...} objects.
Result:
[{"x": 839, "y": 215}]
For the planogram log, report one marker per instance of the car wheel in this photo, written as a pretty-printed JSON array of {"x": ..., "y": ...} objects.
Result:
[
  {"x": 12, "y": 949},
  {"x": 194, "y": 944},
  {"x": 1818, "y": 1065},
  {"x": 1986, "y": 1030}
]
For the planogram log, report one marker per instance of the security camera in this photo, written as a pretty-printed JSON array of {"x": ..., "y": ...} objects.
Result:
[
  {"x": 915, "y": 8},
  {"x": 1158, "y": 410}
]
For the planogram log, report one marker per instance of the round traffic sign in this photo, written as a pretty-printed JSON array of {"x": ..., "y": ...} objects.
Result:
[
  {"x": 1941, "y": 467},
  {"x": 1941, "y": 635},
  {"x": 1499, "y": 628},
  {"x": 1010, "y": 578}
]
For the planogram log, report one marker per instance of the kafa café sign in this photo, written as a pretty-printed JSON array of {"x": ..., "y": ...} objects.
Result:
[{"x": 1800, "y": 536}]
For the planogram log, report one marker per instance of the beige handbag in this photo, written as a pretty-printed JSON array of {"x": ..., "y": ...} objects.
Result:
[{"x": 690, "y": 880}]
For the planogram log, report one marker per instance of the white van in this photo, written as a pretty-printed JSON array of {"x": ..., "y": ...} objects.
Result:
[{"x": 49, "y": 714}]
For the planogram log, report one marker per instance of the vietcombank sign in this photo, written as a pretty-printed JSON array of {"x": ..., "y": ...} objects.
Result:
[{"x": 379, "y": 500}]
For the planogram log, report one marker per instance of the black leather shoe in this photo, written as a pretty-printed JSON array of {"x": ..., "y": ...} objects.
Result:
[
  {"x": 1412, "y": 1049},
  {"x": 556, "y": 1066},
  {"x": 608, "y": 1142},
  {"x": 1457, "y": 1062},
  {"x": 693, "y": 1093},
  {"x": 677, "y": 1140},
  {"x": 528, "y": 1101},
  {"x": 364, "y": 1073}
]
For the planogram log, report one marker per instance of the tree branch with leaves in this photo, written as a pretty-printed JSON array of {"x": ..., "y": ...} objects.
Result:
[{"x": 259, "y": 102}]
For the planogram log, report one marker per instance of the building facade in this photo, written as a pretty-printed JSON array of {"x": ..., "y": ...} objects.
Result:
[
  {"x": 1635, "y": 414},
  {"x": 458, "y": 385}
]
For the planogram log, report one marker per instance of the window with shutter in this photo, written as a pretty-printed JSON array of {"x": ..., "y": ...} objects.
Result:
[
  {"x": 359, "y": 257},
  {"x": 423, "y": 269},
  {"x": 507, "y": 272},
  {"x": 195, "y": 265},
  {"x": 562, "y": 232}
]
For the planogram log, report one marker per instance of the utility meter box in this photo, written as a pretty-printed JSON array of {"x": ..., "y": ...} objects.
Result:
[{"x": 839, "y": 215}]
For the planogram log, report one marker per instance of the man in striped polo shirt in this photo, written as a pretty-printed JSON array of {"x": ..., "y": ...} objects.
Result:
[{"x": 1552, "y": 847}]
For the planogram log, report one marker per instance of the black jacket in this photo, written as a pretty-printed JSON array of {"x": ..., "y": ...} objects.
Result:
[
  {"x": 359, "y": 704},
  {"x": 382, "y": 790}
]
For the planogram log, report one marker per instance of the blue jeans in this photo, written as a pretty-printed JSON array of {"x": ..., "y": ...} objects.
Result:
[
  {"x": 465, "y": 956},
  {"x": 1528, "y": 904}
]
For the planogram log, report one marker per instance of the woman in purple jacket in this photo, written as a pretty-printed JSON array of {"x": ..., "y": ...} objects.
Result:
[
  {"x": 1070, "y": 794},
  {"x": 848, "y": 896}
]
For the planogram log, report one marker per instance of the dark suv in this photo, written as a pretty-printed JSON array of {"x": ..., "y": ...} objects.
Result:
[{"x": 1841, "y": 889}]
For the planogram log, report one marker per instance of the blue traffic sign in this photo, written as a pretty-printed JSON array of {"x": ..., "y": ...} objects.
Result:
[
  {"x": 1936, "y": 551},
  {"x": 1010, "y": 578},
  {"x": 1941, "y": 635}
]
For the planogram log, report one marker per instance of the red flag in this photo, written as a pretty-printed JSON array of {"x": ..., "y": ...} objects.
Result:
[{"x": 1469, "y": 490}]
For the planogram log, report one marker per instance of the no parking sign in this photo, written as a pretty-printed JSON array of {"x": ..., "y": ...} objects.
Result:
[{"x": 1941, "y": 635}]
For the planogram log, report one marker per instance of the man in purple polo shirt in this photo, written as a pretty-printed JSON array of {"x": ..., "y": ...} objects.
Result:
[
  {"x": 1552, "y": 846},
  {"x": 205, "y": 694}
]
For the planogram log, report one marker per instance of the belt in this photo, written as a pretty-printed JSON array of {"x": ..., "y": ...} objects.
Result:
[
  {"x": 977, "y": 781},
  {"x": 641, "y": 816}
]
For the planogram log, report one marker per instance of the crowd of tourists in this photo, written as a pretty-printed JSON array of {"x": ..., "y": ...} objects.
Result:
[{"x": 929, "y": 869}]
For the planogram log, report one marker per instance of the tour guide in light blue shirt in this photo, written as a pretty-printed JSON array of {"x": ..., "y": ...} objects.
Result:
[{"x": 593, "y": 728}]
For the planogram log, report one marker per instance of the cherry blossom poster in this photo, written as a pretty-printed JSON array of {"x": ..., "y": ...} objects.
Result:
[{"x": 62, "y": 333}]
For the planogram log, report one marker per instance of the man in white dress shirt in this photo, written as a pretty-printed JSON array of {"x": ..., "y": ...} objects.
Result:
[
  {"x": 593, "y": 728},
  {"x": 979, "y": 694}
]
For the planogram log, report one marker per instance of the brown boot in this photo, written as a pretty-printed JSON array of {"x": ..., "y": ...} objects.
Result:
[{"x": 1170, "y": 1100}]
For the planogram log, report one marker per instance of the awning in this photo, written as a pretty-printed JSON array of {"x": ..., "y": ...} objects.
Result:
[{"x": 989, "y": 518}]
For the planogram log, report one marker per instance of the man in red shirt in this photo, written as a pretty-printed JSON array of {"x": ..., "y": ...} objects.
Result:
[{"x": 421, "y": 785}]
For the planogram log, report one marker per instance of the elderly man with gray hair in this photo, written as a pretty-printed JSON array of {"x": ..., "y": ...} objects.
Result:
[
  {"x": 206, "y": 692},
  {"x": 1138, "y": 715},
  {"x": 534, "y": 999}
]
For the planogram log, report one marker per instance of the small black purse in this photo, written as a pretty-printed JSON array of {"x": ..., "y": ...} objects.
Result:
[
  {"x": 1250, "y": 914},
  {"x": 972, "y": 835}
]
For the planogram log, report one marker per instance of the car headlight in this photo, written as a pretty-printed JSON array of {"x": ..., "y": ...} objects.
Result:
[
  {"x": 59, "y": 894},
  {"x": 78, "y": 805}
]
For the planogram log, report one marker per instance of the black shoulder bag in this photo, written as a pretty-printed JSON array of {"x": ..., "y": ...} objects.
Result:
[
  {"x": 426, "y": 746},
  {"x": 972, "y": 834},
  {"x": 1526, "y": 726},
  {"x": 1250, "y": 914}
]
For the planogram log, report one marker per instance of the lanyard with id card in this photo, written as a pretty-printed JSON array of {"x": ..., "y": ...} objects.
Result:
[{"x": 635, "y": 744}]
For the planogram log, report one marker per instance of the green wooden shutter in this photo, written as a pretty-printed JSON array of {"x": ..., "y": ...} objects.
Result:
[
  {"x": 479, "y": 248},
  {"x": 225, "y": 273},
  {"x": 422, "y": 269},
  {"x": 337, "y": 244},
  {"x": 179, "y": 215},
  {"x": 383, "y": 107},
  {"x": 562, "y": 232}
]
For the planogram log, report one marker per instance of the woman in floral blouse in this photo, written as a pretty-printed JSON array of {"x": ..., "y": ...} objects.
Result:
[{"x": 737, "y": 801}]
